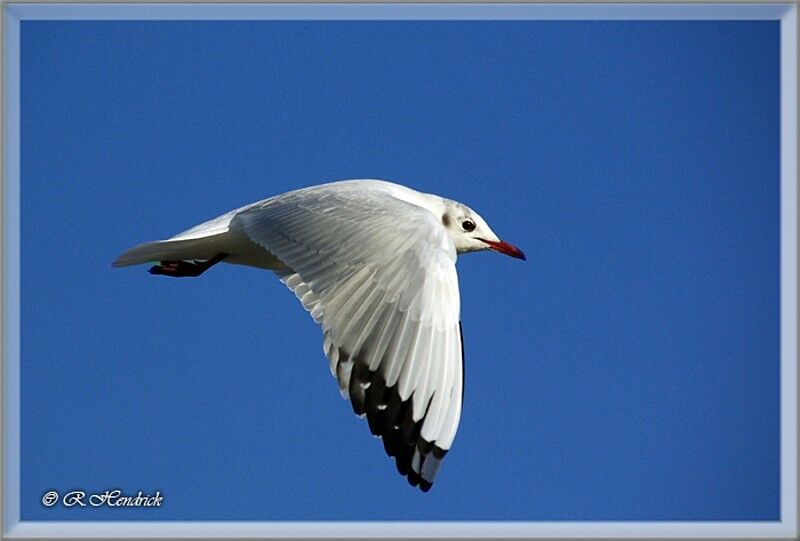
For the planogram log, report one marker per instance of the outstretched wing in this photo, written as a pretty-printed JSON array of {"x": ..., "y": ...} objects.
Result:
[{"x": 378, "y": 274}]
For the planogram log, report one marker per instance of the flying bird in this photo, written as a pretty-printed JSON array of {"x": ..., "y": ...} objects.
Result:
[{"x": 374, "y": 264}]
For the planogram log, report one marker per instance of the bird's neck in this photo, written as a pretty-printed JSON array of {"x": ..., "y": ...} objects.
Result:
[{"x": 431, "y": 202}]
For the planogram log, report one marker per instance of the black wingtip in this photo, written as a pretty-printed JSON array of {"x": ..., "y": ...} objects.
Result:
[
  {"x": 416, "y": 480},
  {"x": 392, "y": 419}
]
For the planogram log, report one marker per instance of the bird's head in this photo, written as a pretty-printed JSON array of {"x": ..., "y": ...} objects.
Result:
[{"x": 471, "y": 233}]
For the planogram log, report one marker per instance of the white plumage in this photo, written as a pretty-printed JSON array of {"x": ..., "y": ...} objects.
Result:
[{"x": 374, "y": 264}]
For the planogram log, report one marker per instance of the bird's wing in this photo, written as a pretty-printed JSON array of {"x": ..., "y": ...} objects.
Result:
[{"x": 378, "y": 274}]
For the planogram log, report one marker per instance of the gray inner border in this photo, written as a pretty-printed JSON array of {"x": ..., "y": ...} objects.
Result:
[{"x": 786, "y": 13}]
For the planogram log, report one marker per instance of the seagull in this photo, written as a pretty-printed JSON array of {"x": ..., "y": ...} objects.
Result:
[{"x": 374, "y": 264}]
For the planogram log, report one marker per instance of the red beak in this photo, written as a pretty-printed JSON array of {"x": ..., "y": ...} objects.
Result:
[{"x": 506, "y": 248}]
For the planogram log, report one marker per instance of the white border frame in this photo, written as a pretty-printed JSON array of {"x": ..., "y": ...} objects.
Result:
[{"x": 15, "y": 13}]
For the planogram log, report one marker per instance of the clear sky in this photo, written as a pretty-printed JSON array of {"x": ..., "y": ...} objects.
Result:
[{"x": 628, "y": 370}]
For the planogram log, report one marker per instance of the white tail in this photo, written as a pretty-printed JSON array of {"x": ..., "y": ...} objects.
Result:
[{"x": 171, "y": 250}]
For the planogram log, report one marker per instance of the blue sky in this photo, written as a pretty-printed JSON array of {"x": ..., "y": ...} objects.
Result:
[{"x": 628, "y": 371}]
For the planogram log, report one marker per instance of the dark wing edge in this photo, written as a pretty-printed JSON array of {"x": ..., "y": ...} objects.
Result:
[{"x": 390, "y": 419}]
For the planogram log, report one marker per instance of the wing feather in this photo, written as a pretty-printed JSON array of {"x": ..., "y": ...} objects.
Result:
[{"x": 378, "y": 274}]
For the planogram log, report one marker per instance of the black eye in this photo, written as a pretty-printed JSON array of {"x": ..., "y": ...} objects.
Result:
[{"x": 468, "y": 225}]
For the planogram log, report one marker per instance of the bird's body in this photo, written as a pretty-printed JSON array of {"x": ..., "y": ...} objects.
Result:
[{"x": 374, "y": 264}]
